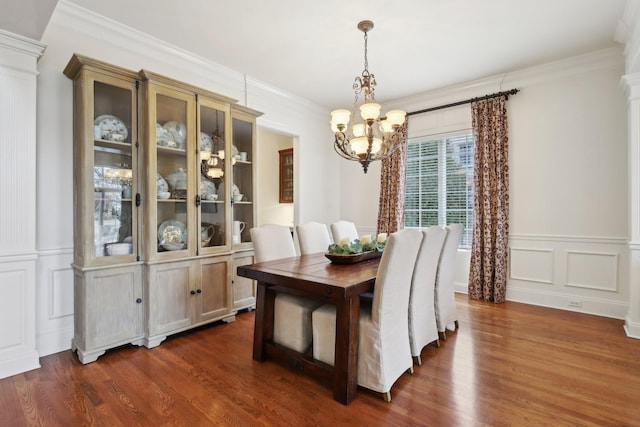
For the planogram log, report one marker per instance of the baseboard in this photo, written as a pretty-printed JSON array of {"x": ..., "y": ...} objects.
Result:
[
  {"x": 632, "y": 329},
  {"x": 588, "y": 305},
  {"x": 23, "y": 363},
  {"x": 54, "y": 341},
  {"x": 595, "y": 306}
]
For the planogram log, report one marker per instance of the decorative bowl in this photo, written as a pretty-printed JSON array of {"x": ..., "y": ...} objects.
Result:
[
  {"x": 164, "y": 195},
  {"x": 173, "y": 247},
  {"x": 352, "y": 258},
  {"x": 119, "y": 248}
]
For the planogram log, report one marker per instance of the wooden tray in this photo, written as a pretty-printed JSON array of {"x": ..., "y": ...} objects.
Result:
[{"x": 352, "y": 258}]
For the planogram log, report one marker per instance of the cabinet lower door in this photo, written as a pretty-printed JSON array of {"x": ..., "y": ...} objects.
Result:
[
  {"x": 108, "y": 309},
  {"x": 213, "y": 293},
  {"x": 244, "y": 289},
  {"x": 168, "y": 292}
]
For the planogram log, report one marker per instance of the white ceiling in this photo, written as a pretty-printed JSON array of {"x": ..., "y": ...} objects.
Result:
[{"x": 313, "y": 48}]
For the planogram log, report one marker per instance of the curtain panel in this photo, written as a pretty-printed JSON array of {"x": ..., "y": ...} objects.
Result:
[
  {"x": 392, "y": 182},
  {"x": 489, "y": 251}
]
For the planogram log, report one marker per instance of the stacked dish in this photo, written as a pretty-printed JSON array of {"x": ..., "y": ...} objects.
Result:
[
  {"x": 172, "y": 235},
  {"x": 110, "y": 128}
]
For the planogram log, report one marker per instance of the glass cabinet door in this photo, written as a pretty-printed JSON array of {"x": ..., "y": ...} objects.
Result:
[
  {"x": 242, "y": 189},
  {"x": 171, "y": 156},
  {"x": 212, "y": 124},
  {"x": 114, "y": 136}
]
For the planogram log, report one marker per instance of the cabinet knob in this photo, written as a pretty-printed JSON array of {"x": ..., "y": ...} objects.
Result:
[
  {"x": 138, "y": 300},
  {"x": 199, "y": 291},
  {"x": 193, "y": 292}
]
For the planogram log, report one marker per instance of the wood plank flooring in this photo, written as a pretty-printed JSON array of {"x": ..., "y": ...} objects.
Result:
[{"x": 508, "y": 365}]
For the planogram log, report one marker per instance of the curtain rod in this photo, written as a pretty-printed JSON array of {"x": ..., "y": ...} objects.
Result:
[{"x": 467, "y": 101}]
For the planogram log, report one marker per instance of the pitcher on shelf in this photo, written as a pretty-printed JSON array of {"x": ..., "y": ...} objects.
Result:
[{"x": 238, "y": 228}]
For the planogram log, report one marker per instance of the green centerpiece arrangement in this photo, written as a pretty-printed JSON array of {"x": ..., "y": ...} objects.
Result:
[{"x": 348, "y": 252}]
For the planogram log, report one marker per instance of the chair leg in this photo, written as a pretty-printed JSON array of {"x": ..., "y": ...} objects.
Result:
[
  {"x": 387, "y": 396},
  {"x": 438, "y": 343},
  {"x": 457, "y": 325},
  {"x": 410, "y": 370},
  {"x": 417, "y": 360},
  {"x": 443, "y": 335}
]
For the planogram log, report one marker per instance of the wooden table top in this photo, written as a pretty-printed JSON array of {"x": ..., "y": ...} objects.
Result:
[{"x": 316, "y": 275}]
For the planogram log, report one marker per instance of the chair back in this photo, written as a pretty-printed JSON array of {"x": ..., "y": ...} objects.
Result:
[
  {"x": 344, "y": 229},
  {"x": 313, "y": 237},
  {"x": 422, "y": 317},
  {"x": 272, "y": 241},
  {"x": 445, "y": 303},
  {"x": 390, "y": 305}
]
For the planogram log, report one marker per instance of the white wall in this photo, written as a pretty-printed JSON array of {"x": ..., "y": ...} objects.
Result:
[
  {"x": 270, "y": 210},
  {"x": 568, "y": 181},
  {"x": 75, "y": 30}
]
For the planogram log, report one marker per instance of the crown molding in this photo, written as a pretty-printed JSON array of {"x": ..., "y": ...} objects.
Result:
[
  {"x": 78, "y": 19},
  {"x": 601, "y": 59},
  {"x": 21, "y": 44},
  {"x": 628, "y": 34}
]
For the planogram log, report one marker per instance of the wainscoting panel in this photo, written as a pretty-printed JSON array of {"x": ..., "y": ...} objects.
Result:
[
  {"x": 17, "y": 316},
  {"x": 585, "y": 274},
  {"x": 593, "y": 270},
  {"x": 533, "y": 265},
  {"x": 54, "y": 329}
]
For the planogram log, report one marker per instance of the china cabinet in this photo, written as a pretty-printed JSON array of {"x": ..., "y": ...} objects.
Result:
[
  {"x": 163, "y": 198},
  {"x": 286, "y": 175},
  {"x": 107, "y": 271}
]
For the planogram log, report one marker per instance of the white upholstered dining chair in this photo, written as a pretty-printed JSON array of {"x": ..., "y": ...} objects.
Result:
[
  {"x": 384, "y": 353},
  {"x": 423, "y": 328},
  {"x": 445, "y": 302},
  {"x": 291, "y": 313},
  {"x": 313, "y": 237},
  {"x": 343, "y": 229}
]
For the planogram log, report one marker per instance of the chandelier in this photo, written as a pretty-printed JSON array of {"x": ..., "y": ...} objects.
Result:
[{"x": 375, "y": 138}]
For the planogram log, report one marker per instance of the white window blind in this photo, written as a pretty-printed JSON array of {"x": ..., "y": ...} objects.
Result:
[{"x": 439, "y": 185}]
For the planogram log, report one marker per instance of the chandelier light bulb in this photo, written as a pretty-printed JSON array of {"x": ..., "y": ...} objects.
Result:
[
  {"x": 370, "y": 111},
  {"x": 385, "y": 126},
  {"x": 396, "y": 117},
  {"x": 340, "y": 117},
  {"x": 358, "y": 130},
  {"x": 359, "y": 145}
]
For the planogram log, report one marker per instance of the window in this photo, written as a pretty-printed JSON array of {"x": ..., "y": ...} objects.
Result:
[{"x": 439, "y": 186}]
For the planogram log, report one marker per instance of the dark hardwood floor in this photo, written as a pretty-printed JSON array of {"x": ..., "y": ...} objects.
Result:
[{"x": 508, "y": 364}]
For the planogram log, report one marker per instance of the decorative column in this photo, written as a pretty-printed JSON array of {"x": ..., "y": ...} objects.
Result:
[
  {"x": 18, "y": 255},
  {"x": 631, "y": 84}
]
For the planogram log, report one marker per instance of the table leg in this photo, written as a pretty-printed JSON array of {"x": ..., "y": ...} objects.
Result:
[
  {"x": 345, "y": 371},
  {"x": 263, "y": 329}
]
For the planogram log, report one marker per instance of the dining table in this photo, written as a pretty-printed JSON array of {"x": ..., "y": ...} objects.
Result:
[{"x": 314, "y": 276}]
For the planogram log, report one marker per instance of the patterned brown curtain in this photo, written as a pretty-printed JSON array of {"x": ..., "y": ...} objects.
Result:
[
  {"x": 489, "y": 250},
  {"x": 392, "y": 179}
]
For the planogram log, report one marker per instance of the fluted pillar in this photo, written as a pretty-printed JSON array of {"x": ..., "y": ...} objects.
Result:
[{"x": 18, "y": 254}]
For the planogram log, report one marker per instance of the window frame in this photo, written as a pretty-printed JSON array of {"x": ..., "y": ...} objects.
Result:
[{"x": 464, "y": 138}]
